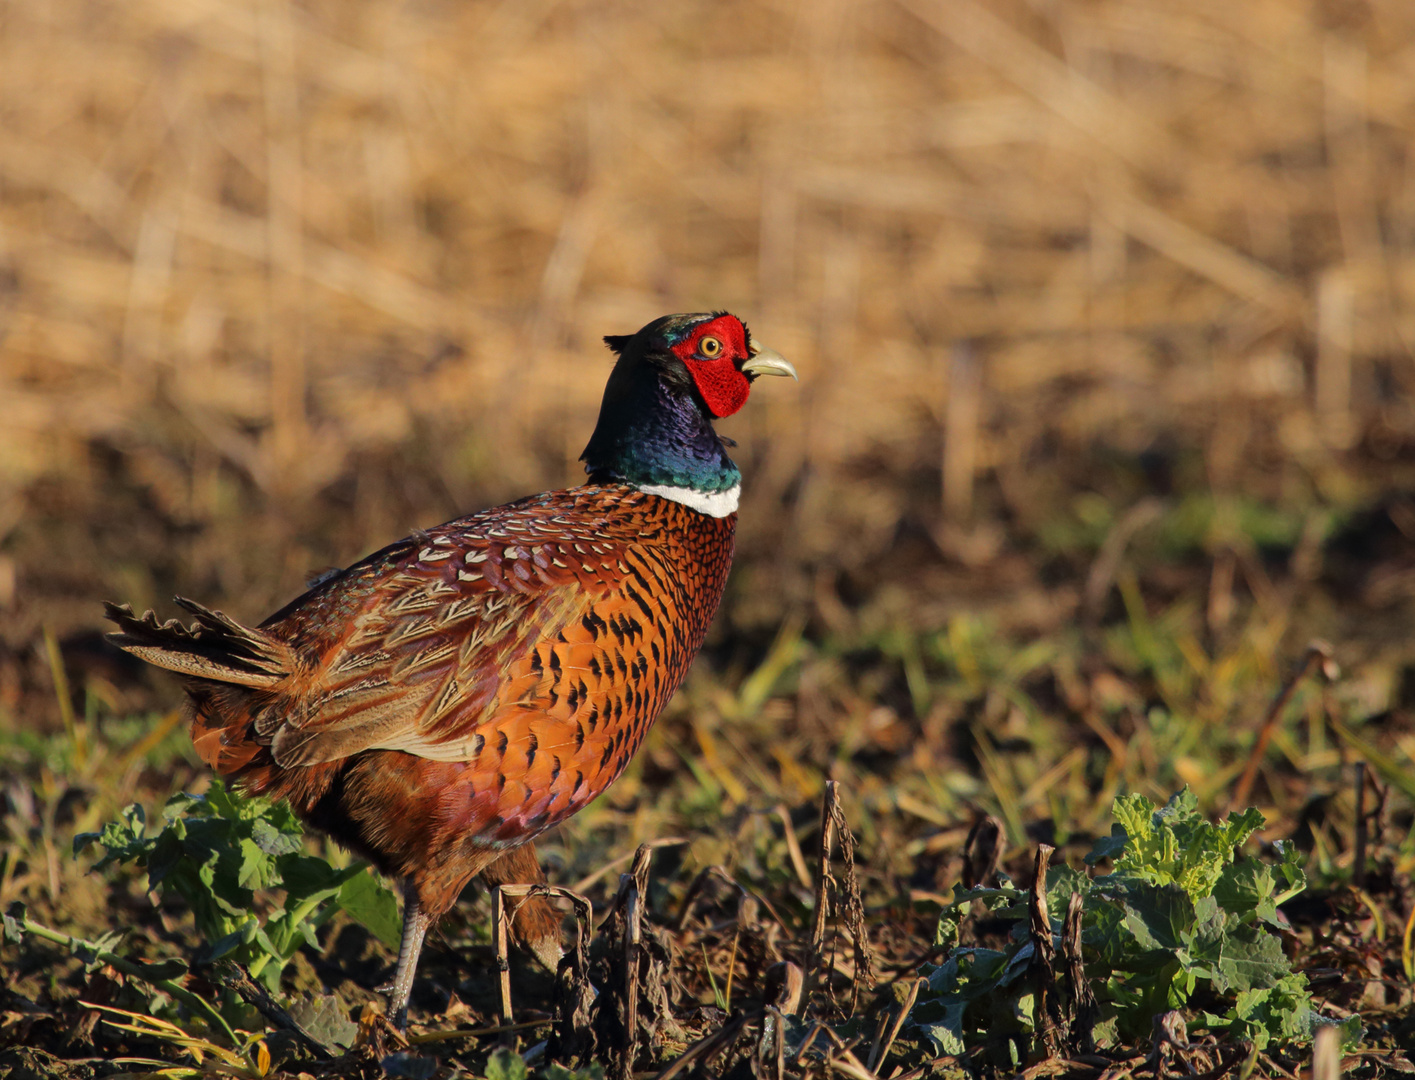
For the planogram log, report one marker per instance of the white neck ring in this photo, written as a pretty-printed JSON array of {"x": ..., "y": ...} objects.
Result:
[{"x": 713, "y": 503}]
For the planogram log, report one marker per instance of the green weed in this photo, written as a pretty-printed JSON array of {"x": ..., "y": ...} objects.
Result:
[
  {"x": 1180, "y": 922},
  {"x": 214, "y": 851}
]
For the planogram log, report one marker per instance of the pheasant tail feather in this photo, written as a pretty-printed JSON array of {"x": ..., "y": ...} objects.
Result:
[{"x": 215, "y": 647}]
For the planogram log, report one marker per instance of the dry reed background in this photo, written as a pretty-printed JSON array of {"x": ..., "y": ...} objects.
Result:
[{"x": 279, "y": 281}]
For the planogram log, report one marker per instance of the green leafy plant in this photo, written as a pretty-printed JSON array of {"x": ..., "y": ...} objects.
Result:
[
  {"x": 215, "y": 851},
  {"x": 1181, "y": 922},
  {"x": 506, "y": 1064}
]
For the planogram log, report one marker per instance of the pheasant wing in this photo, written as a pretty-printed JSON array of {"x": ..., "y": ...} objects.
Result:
[{"x": 534, "y": 650}]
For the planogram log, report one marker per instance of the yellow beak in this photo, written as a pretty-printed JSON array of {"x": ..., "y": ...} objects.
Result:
[{"x": 766, "y": 361}]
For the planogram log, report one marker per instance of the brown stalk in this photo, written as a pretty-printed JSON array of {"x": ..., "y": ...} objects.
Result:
[
  {"x": 850, "y": 1065},
  {"x": 633, "y": 930},
  {"x": 501, "y": 941},
  {"x": 982, "y": 851},
  {"x": 823, "y": 882},
  {"x": 1044, "y": 954},
  {"x": 1318, "y": 657},
  {"x": 793, "y": 846},
  {"x": 1326, "y": 1054},
  {"x": 572, "y": 1035},
  {"x": 631, "y": 892},
  {"x": 877, "y": 1060},
  {"x": 1358, "y": 868},
  {"x": 1083, "y": 999},
  {"x": 834, "y": 828},
  {"x": 708, "y": 1046},
  {"x": 237, "y": 978}
]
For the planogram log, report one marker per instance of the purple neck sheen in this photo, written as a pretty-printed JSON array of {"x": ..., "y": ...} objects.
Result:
[{"x": 654, "y": 433}]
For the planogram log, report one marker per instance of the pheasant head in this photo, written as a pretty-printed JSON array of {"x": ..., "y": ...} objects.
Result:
[{"x": 671, "y": 381}]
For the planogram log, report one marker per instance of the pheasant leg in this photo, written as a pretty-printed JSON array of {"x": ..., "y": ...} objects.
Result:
[{"x": 415, "y": 924}]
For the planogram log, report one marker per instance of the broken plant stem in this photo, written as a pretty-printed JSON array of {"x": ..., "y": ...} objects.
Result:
[
  {"x": 572, "y": 1011},
  {"x": 1044, "y": 954},
  {"x": 827, "y": 841},
  {"x": 835, "y": 832},
  {"x": 633, "y": 930},
  {"x": 499, "y": 920},
  {"x": 236, "y": 978}
]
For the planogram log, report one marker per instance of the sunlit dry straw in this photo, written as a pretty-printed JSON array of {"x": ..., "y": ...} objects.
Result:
[{"x": 292, "y": 241}]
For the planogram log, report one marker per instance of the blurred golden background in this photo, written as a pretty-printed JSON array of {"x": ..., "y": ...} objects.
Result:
[{"x": 280, "y": 281}]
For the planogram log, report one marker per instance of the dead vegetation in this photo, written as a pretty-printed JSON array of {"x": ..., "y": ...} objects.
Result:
[{"x": 314, "y": 274}]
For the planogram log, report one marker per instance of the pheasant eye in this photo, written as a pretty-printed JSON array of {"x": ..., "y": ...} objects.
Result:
[{"x": 710, "y": 347}]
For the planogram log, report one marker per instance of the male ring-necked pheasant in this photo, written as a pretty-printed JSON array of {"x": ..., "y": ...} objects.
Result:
[{"x": 441, "y": 702}]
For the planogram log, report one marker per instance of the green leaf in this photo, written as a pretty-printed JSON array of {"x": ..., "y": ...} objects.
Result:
[
  {"x": 1134, "y": 815},
  {"x": 1106, "y": 1032},
  {"x": 1182, "y": 808},
  {"x": 1062, "y": 882},
  {"x": 305, "y": 933},
  {"x": 182, "y": 805},
  {"x": 274, "y": 841},
  {"x": 1289, "y": 869},
  {"x": 220, "y": 803},
  {"x": 257, "y": 868},
  {"x": 304, "y": 876},
  {"x": 244, "y": 935},
  {"x": 1253, "y": 960},
  {"x": 1248, "y": 888},
  {"x": 945, "y": 1033},
  {"x": 1109, "y": 847},
  {"x": 1157, "y": 916},
  {"x": 1350, "y": 1028},
  {"x": 123, "y": 840},
  {"x": 372, "y": 905},
  {"x": 325, "y": 1018},
  {"x": 1174, "y": 845},
  {"x": 163, "y": 855},
  {"x": 1103, "y": 932},
  {"x": 505, "y": 1065},
  {"x": 556, "y": 1071},
  {"x": 1239, "y": 827},
  {"x": 1282, "y": 1011},
  {"x": 946, "y": 930},
  {"x": 214, "y": 851}
]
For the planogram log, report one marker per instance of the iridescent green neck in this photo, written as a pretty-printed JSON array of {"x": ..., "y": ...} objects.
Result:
[{"x": 650, "y": 437}]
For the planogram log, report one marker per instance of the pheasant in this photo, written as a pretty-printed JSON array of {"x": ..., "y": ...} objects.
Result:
[{"x": 440, "y": 703}]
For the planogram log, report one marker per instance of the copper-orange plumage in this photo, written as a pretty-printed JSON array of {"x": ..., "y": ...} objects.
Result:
[{"x": 438, "y": 704}]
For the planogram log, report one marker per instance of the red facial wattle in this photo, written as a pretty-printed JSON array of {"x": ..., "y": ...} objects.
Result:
[{"x": 722, "y": 385}]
